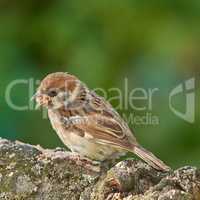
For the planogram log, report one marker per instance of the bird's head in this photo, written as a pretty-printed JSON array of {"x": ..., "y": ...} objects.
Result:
[{"x": 56, "y": 90}]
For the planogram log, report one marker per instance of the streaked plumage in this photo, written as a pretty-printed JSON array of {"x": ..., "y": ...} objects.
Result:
[{"x": 87, "y": 123}]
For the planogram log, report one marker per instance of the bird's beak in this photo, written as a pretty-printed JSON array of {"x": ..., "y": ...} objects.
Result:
[{"x": 34, "y": 97}]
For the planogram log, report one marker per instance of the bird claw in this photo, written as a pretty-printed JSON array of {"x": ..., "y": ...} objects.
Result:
[{"x": 85, "y": 162}]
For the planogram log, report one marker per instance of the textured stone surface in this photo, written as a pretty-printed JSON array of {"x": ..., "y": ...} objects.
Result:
[{"x": 30, "y": 172}]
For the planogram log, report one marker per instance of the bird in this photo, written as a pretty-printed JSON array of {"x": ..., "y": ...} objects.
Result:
[{"x": 87, "y": 123}]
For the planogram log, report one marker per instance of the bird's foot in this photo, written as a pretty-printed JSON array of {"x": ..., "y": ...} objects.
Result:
[{"x": 85, "y": 162}]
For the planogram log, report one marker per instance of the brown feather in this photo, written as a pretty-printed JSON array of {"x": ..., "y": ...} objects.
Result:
[
  {"x": 88, "y": 124},
  {"x": 59, "y": 80}
]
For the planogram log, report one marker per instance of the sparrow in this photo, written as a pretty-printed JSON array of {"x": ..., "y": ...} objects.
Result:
[{"x": 86, "y": 123}]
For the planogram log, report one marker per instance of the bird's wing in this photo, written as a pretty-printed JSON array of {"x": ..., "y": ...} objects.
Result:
[{"x": 105, "y": 130}]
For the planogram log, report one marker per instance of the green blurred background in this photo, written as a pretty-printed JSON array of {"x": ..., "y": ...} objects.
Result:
[{"x": 152, "y": 44}]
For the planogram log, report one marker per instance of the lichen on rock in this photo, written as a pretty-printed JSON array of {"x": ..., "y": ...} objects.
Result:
[{"x": 33, "y": 173}]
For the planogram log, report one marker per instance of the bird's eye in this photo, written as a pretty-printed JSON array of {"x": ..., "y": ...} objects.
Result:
[{"x": 52, "y": 93}]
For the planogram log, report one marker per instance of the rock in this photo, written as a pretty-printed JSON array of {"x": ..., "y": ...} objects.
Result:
[{"x": 33, "y": 173}]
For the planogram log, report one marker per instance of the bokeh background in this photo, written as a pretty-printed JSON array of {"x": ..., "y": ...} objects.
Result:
[{"x": 152, "y": 44}]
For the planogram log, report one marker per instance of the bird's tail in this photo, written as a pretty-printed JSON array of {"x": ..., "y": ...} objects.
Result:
[{"x": 152, "y": 160}]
